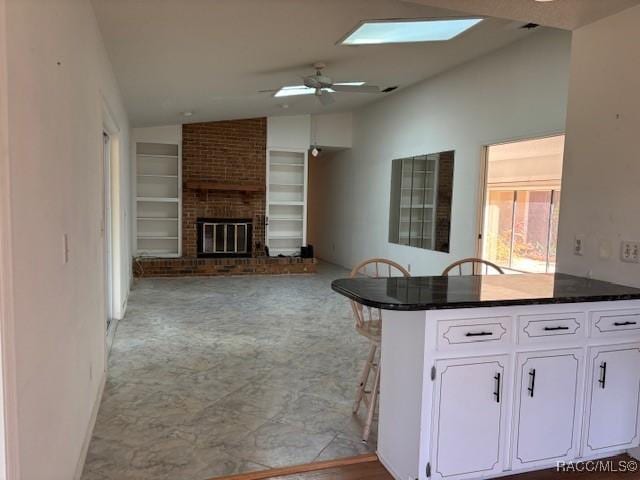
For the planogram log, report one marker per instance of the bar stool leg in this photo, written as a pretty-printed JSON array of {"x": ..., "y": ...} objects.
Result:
[
  {"x": 375, "y": 390},
  {"x": 364, "y": 377}
]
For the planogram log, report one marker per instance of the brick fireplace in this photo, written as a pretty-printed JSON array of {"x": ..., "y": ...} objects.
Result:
[
  {"x": 224, "y": 175},
  {"x": 223, "y": 180}
]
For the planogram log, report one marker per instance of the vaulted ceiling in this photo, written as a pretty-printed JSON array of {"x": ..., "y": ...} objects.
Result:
[
  {"x": 566, "y": 14},
  {"x": 212, "y": 57}
]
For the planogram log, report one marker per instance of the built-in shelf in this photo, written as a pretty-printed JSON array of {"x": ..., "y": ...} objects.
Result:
[
  {"x": 286, "y": 236},
  {"x": 286, "y": 201},
  {"x": 147, "y": 175},
  {"x": 284, "y": 164},
  {"x": 151, "y": 237},
  {"x": 158, "y": 199},
  {"x": 150, "y": 155},
  {"x": 156, "y": 252}
]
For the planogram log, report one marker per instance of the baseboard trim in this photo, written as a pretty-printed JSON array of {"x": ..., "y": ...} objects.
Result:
[
  {"x": 92, "y": 422},
  {"x": 111, "y": 334},
  {"x": 386, "y": 465},
  {"x": 308, "y": 467}
]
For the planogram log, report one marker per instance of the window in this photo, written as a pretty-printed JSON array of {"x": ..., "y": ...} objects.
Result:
[{"x": 421, "y": 189}]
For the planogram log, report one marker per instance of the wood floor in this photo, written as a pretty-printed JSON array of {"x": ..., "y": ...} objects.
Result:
[{"x": 371, "y": 469}]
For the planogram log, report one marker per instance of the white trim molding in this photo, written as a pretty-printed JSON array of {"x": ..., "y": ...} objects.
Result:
[{"x": 9, "y": 465}]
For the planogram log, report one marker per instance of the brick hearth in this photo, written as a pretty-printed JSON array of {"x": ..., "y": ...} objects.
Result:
[{"x": 178, "y": 267}]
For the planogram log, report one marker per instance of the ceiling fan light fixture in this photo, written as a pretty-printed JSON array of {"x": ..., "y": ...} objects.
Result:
[
  {"x": 375, "y": 32},
  {"x": 293, "y": 90}
]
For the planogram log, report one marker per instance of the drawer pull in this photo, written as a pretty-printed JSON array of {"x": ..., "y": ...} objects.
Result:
[
  {"x": 479, "y": 334},
  {"x": 603, "y": 375},
  {"x": 555, "y": 329},
  {"x": 532, "y": 382},
  {"x": 623, "y": 324},
  {"x": 496, "y": 394}
]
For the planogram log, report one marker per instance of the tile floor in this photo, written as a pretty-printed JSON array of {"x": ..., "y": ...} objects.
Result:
[{"x": 214, "y": 376}]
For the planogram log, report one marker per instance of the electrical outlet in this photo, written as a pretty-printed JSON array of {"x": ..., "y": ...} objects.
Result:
[
  {"x": 578, "y": 245},
  {"x": 630, "y": 252}
]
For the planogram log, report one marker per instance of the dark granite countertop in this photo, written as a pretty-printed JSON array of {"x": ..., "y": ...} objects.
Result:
[{"x": 436, "y": 293}]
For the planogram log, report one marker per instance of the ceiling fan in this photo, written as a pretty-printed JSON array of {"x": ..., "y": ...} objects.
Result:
[{"x": 322, "y": 87}]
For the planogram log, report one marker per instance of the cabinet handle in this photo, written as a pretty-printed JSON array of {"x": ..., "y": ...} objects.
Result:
[
  {"x": 622, "y": 324},
  {"x": 496, "y": 394},
  {"x": 479, "y": 334},
  {"x": 553, "y": 329},
  {"x": 603, "y": 375},
  {"x": 532, "y": 382}
]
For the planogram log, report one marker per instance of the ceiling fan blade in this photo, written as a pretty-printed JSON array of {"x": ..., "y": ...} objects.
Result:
[
  {"x": 355, "y": 88},
  {"x": 326, "y": 98}
]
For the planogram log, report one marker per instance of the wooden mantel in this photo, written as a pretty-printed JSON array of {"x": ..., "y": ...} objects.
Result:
[{"x": 215, "y": 186}]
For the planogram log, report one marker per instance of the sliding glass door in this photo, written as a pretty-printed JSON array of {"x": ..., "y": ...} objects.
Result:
[{"x": 521, "y": 229}]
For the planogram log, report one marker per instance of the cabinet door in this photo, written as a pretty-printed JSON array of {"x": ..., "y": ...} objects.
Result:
[
  {"x": 547, "y": 407},
  {"x": 614, "y": 398},
  {"x": 469, "y": 417}
]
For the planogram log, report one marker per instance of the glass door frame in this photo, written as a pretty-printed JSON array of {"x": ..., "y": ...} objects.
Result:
[{"x": 483, "y": 177}]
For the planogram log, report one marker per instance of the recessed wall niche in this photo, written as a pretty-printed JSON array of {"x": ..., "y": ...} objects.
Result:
[{"x": 421, "y": 193}]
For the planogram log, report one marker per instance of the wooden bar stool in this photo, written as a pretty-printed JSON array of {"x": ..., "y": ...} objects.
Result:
[
  {"x": 476, "y": 266},
  {"x": 369, "y": 325}
]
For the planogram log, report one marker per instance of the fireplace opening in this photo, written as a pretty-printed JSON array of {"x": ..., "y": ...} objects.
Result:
[{"x": 224, "y": 237}]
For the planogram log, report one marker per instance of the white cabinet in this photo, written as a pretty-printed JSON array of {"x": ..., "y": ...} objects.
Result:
[
  {"x": 613, "y": 399},
  {"x": 286, "y": 201},
  {"x": 483, "y": 392},
  {"x": 469, "y": 405},
  {"x": 547, "y": 407}
]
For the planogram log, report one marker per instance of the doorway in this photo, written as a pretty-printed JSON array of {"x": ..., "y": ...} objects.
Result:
[
  {"x": 521, "y": 208},
  {"x": 107, "y": 228}
]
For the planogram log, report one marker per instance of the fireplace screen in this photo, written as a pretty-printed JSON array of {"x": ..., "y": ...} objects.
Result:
[{"x": 222, "y": 238}]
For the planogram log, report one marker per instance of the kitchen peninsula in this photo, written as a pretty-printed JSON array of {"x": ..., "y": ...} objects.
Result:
[{"x": 483, "y": 376}]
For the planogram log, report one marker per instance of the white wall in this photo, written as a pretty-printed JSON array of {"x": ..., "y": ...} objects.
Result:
[
  {"x": 333, "y": 130},
  {"x": 516, "y": 92},
  {"x": 601, "y": 182},
  {"x": 292, "y": 131},
  {"x": 58, "y": 75}
]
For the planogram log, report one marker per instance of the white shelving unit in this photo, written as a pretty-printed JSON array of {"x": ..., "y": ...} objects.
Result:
[
  {"x": 417, "y": 201},
  {"x": 158, "y": 199},
  {"x": 286, "y": 201}
]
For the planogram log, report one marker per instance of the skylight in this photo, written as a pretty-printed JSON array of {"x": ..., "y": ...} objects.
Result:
[
  {"x": 293, "y": 90},
  {"x": 407, "y": 31}
]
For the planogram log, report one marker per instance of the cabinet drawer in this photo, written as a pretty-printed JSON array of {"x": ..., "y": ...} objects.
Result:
[
  {"x": 452, "y": 333},
  {"x": 553, "y": 327},
  {"x": 615, "y": 322}
]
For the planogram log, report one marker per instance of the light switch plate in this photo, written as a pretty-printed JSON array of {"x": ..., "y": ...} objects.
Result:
[{"x": 578, "y": 245}]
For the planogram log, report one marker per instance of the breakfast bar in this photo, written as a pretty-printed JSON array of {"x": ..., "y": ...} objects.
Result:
[{"x": 484, "y": 376}]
